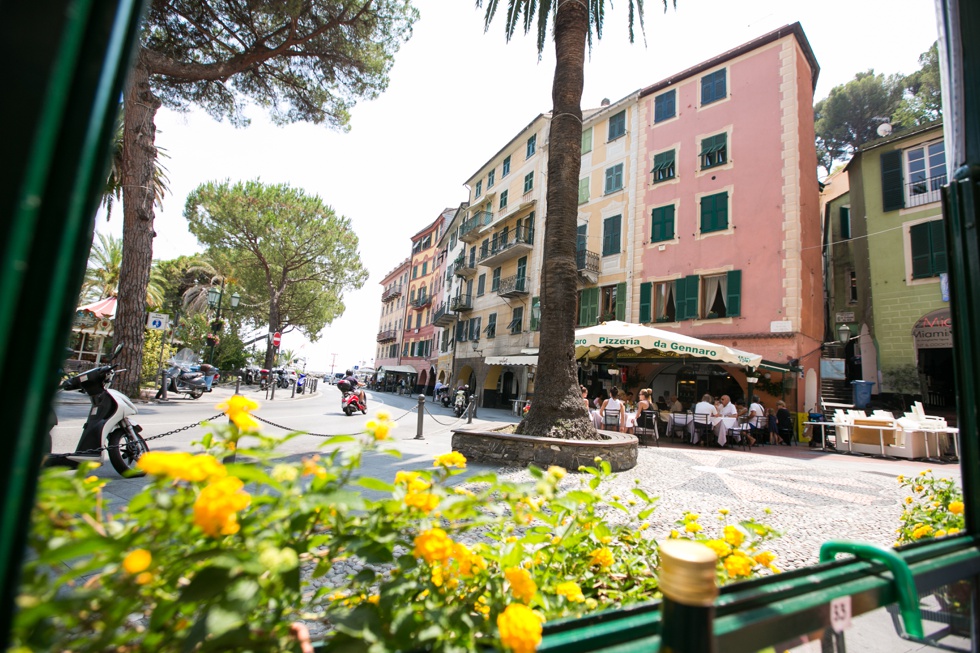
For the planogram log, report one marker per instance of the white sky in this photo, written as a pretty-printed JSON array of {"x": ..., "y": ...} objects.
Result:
[{"x": 457, "y": 95}]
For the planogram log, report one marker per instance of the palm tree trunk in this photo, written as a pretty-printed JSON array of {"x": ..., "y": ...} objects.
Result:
[
  {"x": 139, "y": 154},
  {"x": 557, "y": 409}
]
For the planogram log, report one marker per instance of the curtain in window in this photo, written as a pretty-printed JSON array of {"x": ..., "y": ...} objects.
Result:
[{"x": 711, "y": 285}]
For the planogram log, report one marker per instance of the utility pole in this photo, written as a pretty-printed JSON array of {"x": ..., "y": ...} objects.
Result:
[{"x": 333, "y": 362}]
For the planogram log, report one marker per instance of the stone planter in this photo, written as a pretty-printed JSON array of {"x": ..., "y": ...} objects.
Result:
[{"x": 494, "y": 447}]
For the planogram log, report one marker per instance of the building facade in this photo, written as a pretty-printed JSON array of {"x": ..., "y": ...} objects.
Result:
[{"x": 391, "y": 323}]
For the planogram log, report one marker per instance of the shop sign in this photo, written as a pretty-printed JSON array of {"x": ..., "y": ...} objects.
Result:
[
  {"x": 934, "y": 331},
  {"x": 845, "y": 317}
]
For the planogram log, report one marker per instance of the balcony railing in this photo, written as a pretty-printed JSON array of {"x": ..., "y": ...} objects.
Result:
[
  {"x": 443, "y": 317},
  {"x": 461, "y": 303},
  {"x": 513, "y": 286},
  {"x": 422, "y": 301},
  {"x": 388, "y": 335},
  {"x": 391, "y": 293},
  {"x": 463, "y": 267},
  {"x": 510, "y": 245},
  {"x": 472, "y": 228},
  {"x": 586, "y": 261},
  {"x": 925, "y": 191}
]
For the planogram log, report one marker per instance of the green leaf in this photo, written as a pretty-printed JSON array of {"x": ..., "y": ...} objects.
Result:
[
  {"x": 646, "y": 512},
  {"x": 251, "y": 474},
  {"x": 221, "y": 620},
  {"x": 77, "y": 548},
  {"x": 337, "y": 439},
  {"x": 581, "y": 497},
  {"x": 206, "y": 584},
  {"x": 535, "y": 471},
  {"x": 640, "y": 492},
  {"x": 375, "y": 484},
  {"x": 365, "y": 576}
]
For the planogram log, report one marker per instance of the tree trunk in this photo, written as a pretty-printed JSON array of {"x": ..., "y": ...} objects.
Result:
[
  {"x": 557, "y": 409},
  {"x": 270, "y": 351},
  {"x": 139, "y": 153}
]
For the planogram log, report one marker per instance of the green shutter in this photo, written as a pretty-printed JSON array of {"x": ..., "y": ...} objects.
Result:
[
  {"x": 938, "y": 243},
  {"x": 587, "y": 140},
  {"x": 734, "y": 300},
  {"x": 591, "y": 298},
  {"x": 892, "y": 184},
  {"x": 689, "y": 307},
  {"x": 662, "y": 223},
  {"x": 845, "y": 223},
  {"x": 583, "y": 190},
  {"x": 646, "y": 294},
  {"x": 919, "y": 235},
  {"x": 535, "y": 303},
  {"x": 621, "y": 302}
]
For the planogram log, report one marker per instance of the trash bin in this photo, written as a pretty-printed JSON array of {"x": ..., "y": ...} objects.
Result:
[{"x": 861, "y": 393}]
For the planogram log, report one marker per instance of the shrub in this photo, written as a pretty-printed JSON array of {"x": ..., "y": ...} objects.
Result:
[{"x": 933, "y": 508}]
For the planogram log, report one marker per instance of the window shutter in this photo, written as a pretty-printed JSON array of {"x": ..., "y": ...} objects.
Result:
[
  {"x": 733, "y": 307},
  {"x": 690, "y": 284},
  {"x": 621, "y": 302},
  {"x": 938, "y": 242},
  {"x": 892, "y": 184},
  {"x": 646, "y": 293},
  {"x": 845, "y": 223},
  {"x": 591, "y": 299},
  {"x": 535, "y": 303},
  {"x": 919, "y": 235}
]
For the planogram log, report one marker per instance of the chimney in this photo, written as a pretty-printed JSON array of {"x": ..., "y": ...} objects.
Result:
[{"x": 605, "y": 102}]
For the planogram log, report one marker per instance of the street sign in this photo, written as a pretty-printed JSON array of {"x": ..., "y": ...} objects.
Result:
[
  {"x": 276, "y": 339},
  {"x": 159, "y": 321}
]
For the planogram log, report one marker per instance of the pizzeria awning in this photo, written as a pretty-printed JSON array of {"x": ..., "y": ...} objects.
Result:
[
  {"x": 512, "y": 360},
  {"x": 398, "y": 369}
]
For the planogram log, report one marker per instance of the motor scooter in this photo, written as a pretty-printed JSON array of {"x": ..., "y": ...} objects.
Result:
[
  {"x": 108, "y": 422},
  {"x": 459, "y": 406},
  {"x": 263, "y": 378},
  {"x": 300, "y": 384},
  {"x": 443, "y": 397},
  {"x": 350, "y": 402}
]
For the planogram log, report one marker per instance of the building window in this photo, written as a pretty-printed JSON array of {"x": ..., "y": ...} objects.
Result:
[
  {"x": 714, "y": 212},
  {"x": 611, "y": 235},
  {"x": 928, "y": 249},
  {"x": 479, "y": 189},
  {"x": 714, "y": 151},
  {"x": 852, "y": 287},
  {"x": 415, "y": 271},
  {"x": 845, "y": 222},
  {"x": 617, "y": 125},
  {"x": 713, "y": 87},
  {"x": 474, "y": 325},
  {"x": 587, "y": 140},
  {"x": 663, "y": 166},
  {"x": 517, "y": 320},
  {"x": 503, "y": 199},
  {"x": 491, "y": 177},
  {"x": 662, "y": 223},
  {"x": 491, "y": 329},
  {"x": 614, "y": 178},
  {"x": 588, "y": 307},
  {"x": 481, "y": 285},
  {"x": 425, "y": 267},
  {"x": 495, "y": 280},
  {"x": 926, "y": 169},
  {"x": 532, "y": 144},
  {"x": 665, "y": 310},
  {"x": 529, "y": 182},
  {"x": 664, "y": 106},
  {"x": 506, "y": 168},
  {"x": 583, "y": 190}
]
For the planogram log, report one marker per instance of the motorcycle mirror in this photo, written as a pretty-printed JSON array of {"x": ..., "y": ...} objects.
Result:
[{"x": 115, "y": 352}]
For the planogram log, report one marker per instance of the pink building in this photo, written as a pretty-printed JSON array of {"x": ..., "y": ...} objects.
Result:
[{"x": 727, "y": 223}]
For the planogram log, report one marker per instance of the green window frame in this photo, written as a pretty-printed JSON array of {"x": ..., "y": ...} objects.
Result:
[
  {"x": 425, "y": 268},
  {"x": 532, "y": 146},
  {"x": 714, "y": 87},
  {"x": 714, "y": 212},
  {"x": 583, "y": 190},
  {"x": 928, "y": 241},
  {"x": 686, "y": 292},
  {"x": 517, "y": 320},
  {"x": 662, "y": 223},
  {"x": 612, "y": 235},
  {"x": 663, "y": 166},
  {"x": 529, "y": 182},
  {"x": 535, "y": 313},
  {"x": 495, "y": 280},
  {"x": 481, "y": 285},
  {"x": 714, "y": 151},
  {"x": 588, "y": 307},
  {"x": 503, "y": 199},
  {"x": 479, "y": 189},
  {"x": 646, "y": 295},
  {"x": 892, "y": 181},
  {"x": 665, "y": 106},
  {"x": 505, "y": 168},
  {"x": 586, "y": 140},
  {"x": 491, "y": 329},
  {"x": 845, "y": 223},
  {"x": 491, "y": 177},
  {"x": 617, "y": 125},
  {"x": 614, "y": 178}
]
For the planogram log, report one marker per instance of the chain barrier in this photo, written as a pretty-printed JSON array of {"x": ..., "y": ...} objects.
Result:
[
  {"x": 149, "y": 439},
  {"x": 458, "y": 419},
  {"x": 324, "y": 435}
]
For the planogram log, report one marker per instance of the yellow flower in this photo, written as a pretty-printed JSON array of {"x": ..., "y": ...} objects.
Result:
[
  {"x": 923, "y": 473},
  {"x": 451, "y": 459},
  {"x": 720, "y": 548},
  {"x": 674, "y": 534},
  {"x": 511, "y": 539},
  {"x": 380, "y": 427},
  {"x": 591, "y": 603},
  {"x": 462, "y": 491},
  {"x": 765, "y": 558},
  {"x": 555, "y": 539},
  {"x": 956, "y": 507},
  {"x": 374, "y": 599},
  {"x": 424, "y": 501},
  {"x": 921, "y": 531},
  {"x": 137, "y": 560},
  {"x": 217, "y": 505},
  {"x": 383, "y": 415},
  {"x": 522, "y": 586},
  {"x": 182, "y": 466},
  {"x": 644, "y": 526},
  {"x": 941, "y": 533},
  {"x": 311, "y": 468},
  {"x": 144, "y": 578},
  {"x": 691, "y": 516},
  {"x": 571, "y": 591},
  {"x": 437, "y": 576},
  {"x": 692, "y": 527},
  {"x": 901, "y": 478},
  {"x": 953, "y": 531},
  {"x": 738, "y": 565},
  {"x": 556, "y": 472},
  {"x": 520, "y": 628},
  {"x": 606, "y": 540},
  {"x": 283, "y": 472},
  {"x": 908, "y": 499},
  {"x": 733, "y": 535},
  {"x": 237, "y": 408},
  {"x": 602, "y": 557},
  {"x": 918, "y": 488},
  {"x": 723, "y": 511},
  {"x": 433, "y": 545}
]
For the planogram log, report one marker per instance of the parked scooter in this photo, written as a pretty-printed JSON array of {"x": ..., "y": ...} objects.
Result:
[
  {"x": 443, "y": 397},
  {"x": 461, "y": 402},
  {"x": 350, "y": 402},
  {"x": 300, "y": 384},
  {"x": 250, "y": 375},
  {"x": 263, "y": 378},
  {"x": 283, "y": 377},
  {"x": 180, "y": 378},
  {"x": 108, "y": 423}
]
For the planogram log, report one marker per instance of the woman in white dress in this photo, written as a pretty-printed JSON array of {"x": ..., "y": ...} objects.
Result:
[{"x": 612, "y": 405}]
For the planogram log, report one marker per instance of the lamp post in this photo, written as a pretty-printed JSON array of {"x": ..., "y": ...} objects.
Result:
[
  {"x": 844, "y": 334},
  {"x": 214, "y": 301}
]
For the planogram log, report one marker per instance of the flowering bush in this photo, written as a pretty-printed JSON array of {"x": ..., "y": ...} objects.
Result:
[
  {"x": 933, "y": 508},
  {"x": 226, "y": 556},
  {"x": 739, "y": 547}
]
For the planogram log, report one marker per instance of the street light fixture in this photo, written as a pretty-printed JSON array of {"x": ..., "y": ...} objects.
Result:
[
  {"x": 215, "y": 295},
  {"x": 844, "y": 334}
]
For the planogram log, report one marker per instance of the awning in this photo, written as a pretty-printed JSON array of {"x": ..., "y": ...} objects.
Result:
[
  {"x": 592, "y": 342},
  {"x": 102, "y": 308},
  {"x": 777, "y": 367},
  {"x": 512, "y": 360},
  {"x": 398, "y": 369}
]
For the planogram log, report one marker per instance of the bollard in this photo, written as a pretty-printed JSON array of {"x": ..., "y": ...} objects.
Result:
[
  {"x": 273, "y": 397},
  {"x": 418, "y": 431},
  {"x": 469, "y": 411},
  {"x": 689, "y": 586},
  {"x": 293, "y": 396},
  {"x": 238, "y": 382}
]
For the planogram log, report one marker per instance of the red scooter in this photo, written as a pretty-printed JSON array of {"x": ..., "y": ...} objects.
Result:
[{"x": 350, "y": 402}]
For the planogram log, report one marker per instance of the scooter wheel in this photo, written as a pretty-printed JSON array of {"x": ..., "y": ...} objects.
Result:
[
  {"x": 125, "y": 449},
  {"x": 197, "y": 393},
  {"x": 348, "y": 410},
  {"x": 364, "y": 411}
]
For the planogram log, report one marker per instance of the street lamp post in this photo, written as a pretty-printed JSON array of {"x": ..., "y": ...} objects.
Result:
[{"x": 214, "y": 301}]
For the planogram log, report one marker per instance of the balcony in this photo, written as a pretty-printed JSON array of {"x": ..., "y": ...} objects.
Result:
[
  {"x": 461, "y": 303},
  {"x": 443, "y": 317},
  {"x": 587, "y": 265},
  {"x": 472, "y": 229},
  {"x": 463, "y": 267},
  {"x": 391, "y": 293},
  {"x": 511, "y": 245},
  {"x": 924, "y": 191},
  {"x": 422, "y": 301},
  {"x": 389, "y": 335},
  {"x": 515, "y": 286}
]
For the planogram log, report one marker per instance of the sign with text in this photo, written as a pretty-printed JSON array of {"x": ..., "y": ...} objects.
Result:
[
  {"x": 933, "y": 330},
  {"x": 846, "y": 317},
  {"x": 781, "y": 326},
  {"x": 158, "y": 321}
]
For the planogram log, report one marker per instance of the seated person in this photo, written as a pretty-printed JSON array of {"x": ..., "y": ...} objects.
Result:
[
  {"x": 740, "y": 407},
  {"x": 704, "y": 407},
  {"x": 613, "y": 404},
  {"x": 675, "y": 405},
  {"x": 784, "y": 423},
  {"x": 662, "y": 403},
  {"x": 354, "y": 383},
  {"x": 757, "y": 413},
  {"x": 728, "y": 409}
]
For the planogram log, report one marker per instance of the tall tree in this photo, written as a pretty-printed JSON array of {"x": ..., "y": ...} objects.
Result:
[
  {"x": 302, "y": 61},
  {"x": 103, "y": 272},
  {"x": 557, "y": 410},
  {"x": 923, "y": 101},
  {"x": 290, "y": 247},
  {"x": 113, "y": 191}
]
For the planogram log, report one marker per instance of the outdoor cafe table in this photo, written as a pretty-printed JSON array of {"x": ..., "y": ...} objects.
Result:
[{"x": 720, "y": 425}]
